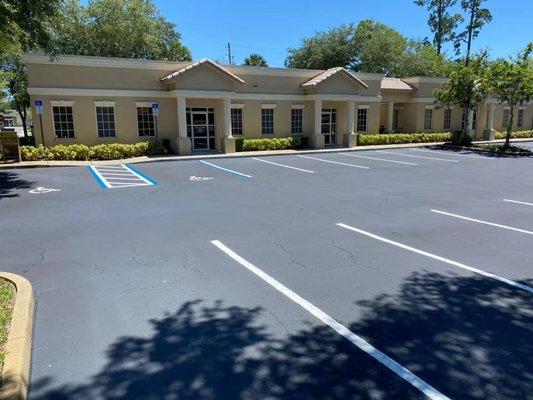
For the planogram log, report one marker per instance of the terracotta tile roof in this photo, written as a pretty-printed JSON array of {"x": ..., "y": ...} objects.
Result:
[
  {"x": 395, "y": 84},
  {"x": 196, "y": 64},
  {"x": 329, "y": 73}
]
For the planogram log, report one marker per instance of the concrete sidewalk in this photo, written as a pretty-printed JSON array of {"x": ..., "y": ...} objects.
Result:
[{"x": 204, "y": 156}]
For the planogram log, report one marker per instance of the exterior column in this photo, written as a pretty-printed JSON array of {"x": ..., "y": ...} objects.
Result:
[
  {"x": 489, "y": 133},
  {"x": 228, "y": 142},
  {"x": 316, "y": 141},
  {"x": 183, "y": 143},
  {"x": 390, "y": 114},
  {"x": 469, "y": 122},
  {"x": 350, "y": 139}
]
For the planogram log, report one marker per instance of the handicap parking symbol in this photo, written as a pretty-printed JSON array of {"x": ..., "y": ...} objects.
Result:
[
  {"x": 42, "y": 189},
  {"x": 200, "y": 178}
]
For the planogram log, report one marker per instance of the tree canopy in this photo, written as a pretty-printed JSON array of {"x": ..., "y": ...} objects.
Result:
[
  {"x": 117, "y": 28},
  {"x": 256, "y": 60},
  {"x": 440, "y": 21},
  {"x": 26, "y": 24},
  {"x": 369, "y": 46},
  {"x": 477, "y": 17}
]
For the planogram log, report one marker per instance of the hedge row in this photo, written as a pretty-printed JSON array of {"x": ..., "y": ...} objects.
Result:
[
  {"x": 515, "y": 135},
  {"x": 399, "y": 138},
  {"x": 294, "y": 142},
  {"x": 111, "y": 151}
]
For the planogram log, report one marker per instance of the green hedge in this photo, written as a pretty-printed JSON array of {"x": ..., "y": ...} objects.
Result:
[
  {"x": 293, "y": 142},
  {"x": 399, "y": 138},
  {"x": 111, "y": 151},
  {"x": 515, "y": 135}
]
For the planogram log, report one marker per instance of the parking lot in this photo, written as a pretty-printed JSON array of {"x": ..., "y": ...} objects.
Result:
[{"x": 394, "y": 274}]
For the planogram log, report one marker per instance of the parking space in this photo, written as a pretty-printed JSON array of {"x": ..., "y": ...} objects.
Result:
[{"x": 402, "y": 273}]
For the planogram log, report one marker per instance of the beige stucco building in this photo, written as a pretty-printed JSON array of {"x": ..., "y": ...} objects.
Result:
[{"x": 203, "y": 106}]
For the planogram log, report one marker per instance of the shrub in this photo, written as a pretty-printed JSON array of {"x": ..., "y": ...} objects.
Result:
[
  {"x": 112, "y": 151},
  {"x": 293, "y": 142},
  {"x": 239, "y": 143},
  {"x": 515, "y": 135},
  {"x": 399, "y": 138},
  {"x": 459, "y": 138}
]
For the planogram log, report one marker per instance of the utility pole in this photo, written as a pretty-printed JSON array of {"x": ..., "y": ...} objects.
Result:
[{"x": 229, "y": 54}]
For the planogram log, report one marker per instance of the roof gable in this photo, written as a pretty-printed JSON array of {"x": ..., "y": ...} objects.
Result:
[
  {"x": 396, "y": 84},
  {"x": 317, "y": 80},
  {"x": 199, "y": 63}
]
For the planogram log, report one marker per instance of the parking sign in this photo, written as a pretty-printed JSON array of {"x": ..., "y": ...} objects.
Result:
[
  {"x": 155, "y": 109},
  {"x": 39, "y": 106}
]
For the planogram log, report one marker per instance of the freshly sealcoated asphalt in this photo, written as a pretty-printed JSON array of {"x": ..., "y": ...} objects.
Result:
[{"x": 135, "y": 302}]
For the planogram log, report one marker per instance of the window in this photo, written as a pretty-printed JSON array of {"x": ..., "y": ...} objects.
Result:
[
  {"x": 505, "y": 118},
  {"x": 63, "y": 122},
  {"x": 520, "y": 118},
  {"x": 105, "y": 121},
  {"x": 236, "y": 121},
  {"x": 428, "y": 118},
  {"x": 145, "y": 121},
  {"x": 297, "y": 121},
  {"x": 447, "y": 119},
  {"x": 267, "y": 121},
  {"x": 361, "y": 119}
]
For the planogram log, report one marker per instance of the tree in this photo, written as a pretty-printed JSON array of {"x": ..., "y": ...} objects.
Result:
[
  {"x": 334, "y": 48},
  {"x": 26, "y": 24},
  {"x": 477, "y": 17},
  {"x": 255, "y": 60},
  {"x": 468, "y": 87},
  {"x": 378, "y": 48},
  {"x": 15, "y": 80},
  {"x": 422, "y": 59},
  {"x": 118, "y": 28},
  {"x": 440, "y": 21},
  {"x": 513, "y": 83}
]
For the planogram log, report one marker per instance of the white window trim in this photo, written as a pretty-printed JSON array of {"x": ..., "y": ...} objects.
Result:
[
  {"x": 266, "y": 106},
  {"x": 363, "y": 107},
  {"x": 144, "y": 103},
  {"x": 297, "y": 106},
  {"x": 237, "y": 105},
  {"x": 62, "y": 103},
  {"x": 273, "y": 120},
  {"x": 99, "y": 103},
  {"x": 429, "y": 107},
  {"x": 106, "y": 104}
]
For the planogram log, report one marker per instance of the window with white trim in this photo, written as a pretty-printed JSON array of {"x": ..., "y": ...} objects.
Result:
[
  {"x": 505, "y": 118},
  {"x": 145, "y": 121},
  {"x": 105, "y": 121},
  {"x": 297, "y": 121},
  {"x": 447, "y": 125},
  {"x": 63, "y": 122},
  {"x": 267, "y": 121},
  {"x": 428, "y": 118},
  {"x": 236, "y": 121},
  {"x": 520, "y": 118},
  {"x": 362, "y": 114}
]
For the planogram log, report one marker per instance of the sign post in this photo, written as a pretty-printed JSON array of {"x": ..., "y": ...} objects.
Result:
[
  {"x": 155, "y": 113},
  {"x": 39, "y": 107}
]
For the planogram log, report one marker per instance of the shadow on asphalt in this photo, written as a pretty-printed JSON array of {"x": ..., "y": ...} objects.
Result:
[
  {"x": 488, "y": 154},
  {"x": 10, "y": 182},
  {"x": 470, "y": 338}
]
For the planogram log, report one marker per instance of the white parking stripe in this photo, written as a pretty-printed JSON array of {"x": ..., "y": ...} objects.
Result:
[
  {"x": 452, "y": 154},
  {"x": 283, "y": 165},
  {"x": 483, "y": 222},
  {"x": 379, "y": 159},
  {"x": 439, "y": 258},
  {"x": 413, "y": 156},
  {"x": 518, "y": 202},
  {"x": 355, "y": 339},
  {"x": 333, "y": 162}
]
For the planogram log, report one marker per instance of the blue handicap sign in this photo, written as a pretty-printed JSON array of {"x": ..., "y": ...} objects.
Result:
[
  {"x": 155, "y": 106},
  {"x": 38, "y": 103}
]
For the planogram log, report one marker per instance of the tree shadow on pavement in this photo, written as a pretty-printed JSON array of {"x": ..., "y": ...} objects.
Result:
[
  {"x": 468, "y": 337},
  {"x": 10, "y": 183},
  {"x": 480, "y": 153}
]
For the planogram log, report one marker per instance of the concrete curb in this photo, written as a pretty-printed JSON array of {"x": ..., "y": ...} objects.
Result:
[
  {"x": 144, "y": 159},
  {"x": 16, "y": 373}
]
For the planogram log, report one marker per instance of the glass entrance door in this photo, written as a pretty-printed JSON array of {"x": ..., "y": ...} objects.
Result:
[
  {"x": 201, "y": 128},
  {"x": 329, "y": 126}
]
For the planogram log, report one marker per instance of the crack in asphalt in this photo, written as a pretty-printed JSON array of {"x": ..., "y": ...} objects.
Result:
[
  {"x": 291, "y": 255},
  {"x": 276, "y": 318}
]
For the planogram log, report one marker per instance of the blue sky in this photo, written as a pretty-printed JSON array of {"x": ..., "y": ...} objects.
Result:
[{"x": 269, "y": 27}]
